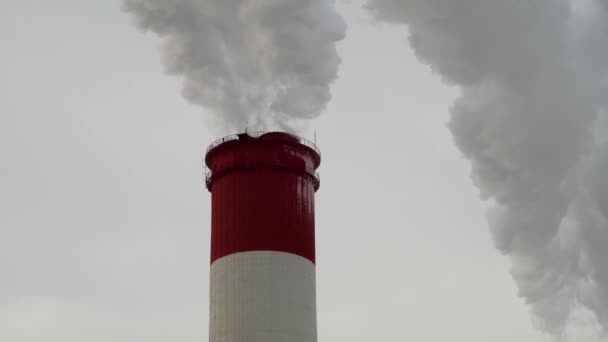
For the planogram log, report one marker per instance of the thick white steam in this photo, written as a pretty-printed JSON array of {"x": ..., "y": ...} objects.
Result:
[
  {"x": 267, "y": 63},
  {"x": 532, "y": 75}
]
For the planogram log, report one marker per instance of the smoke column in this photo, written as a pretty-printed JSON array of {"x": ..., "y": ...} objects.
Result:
[
  {"x": 267, "y": 63},
  {"x": 531, "y": 120}
]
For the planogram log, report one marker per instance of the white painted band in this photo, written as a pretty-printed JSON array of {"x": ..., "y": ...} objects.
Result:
[{"x": 263, "y": 296}]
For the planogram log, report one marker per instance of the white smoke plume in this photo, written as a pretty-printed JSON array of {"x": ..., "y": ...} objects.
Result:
[
  {"x": 533, "y": 80},
  {"x": 267, "y": 63}
]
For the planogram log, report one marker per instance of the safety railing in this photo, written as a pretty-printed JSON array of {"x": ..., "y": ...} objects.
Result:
[
  {"x": 310, "y": 172},
  {"x": 256, "y": 135}
]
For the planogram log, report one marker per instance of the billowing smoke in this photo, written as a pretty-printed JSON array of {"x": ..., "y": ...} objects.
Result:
[
  {"x": 265, "y": 63},
  {"x": 530, "y": 118}
]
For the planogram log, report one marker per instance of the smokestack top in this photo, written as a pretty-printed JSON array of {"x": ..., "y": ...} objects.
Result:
[
  {"x": 261, "y": 136},
  {"x": 262, "y": 150}
]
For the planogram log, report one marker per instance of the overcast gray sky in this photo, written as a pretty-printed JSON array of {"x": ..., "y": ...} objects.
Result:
[{"x": 104, "y": 220}]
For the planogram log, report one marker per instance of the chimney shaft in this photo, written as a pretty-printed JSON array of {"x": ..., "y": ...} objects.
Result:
[{"x": 263, "y": 238}]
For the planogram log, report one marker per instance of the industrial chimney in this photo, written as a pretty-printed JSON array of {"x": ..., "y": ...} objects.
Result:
[{"x": 262, "y": 238}]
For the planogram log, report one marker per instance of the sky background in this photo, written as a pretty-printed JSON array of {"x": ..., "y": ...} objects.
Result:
[{"x": 104, "y": 218}]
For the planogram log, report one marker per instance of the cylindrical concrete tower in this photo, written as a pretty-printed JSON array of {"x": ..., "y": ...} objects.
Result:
[{"x": 263, "y": 238}]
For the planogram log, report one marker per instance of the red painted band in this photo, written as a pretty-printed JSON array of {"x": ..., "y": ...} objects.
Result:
[{"x": 262, "y": 199}]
